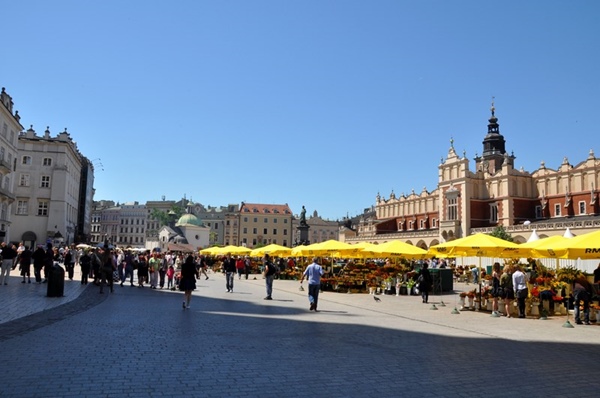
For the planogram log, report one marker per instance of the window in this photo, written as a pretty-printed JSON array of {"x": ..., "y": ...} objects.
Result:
[
  {"x": 421, "y": 224},
  {"x": 26, "y": 160},
  {"x": 538, "y": 211},
  {"x": 245, "y": 219},
  {"x": 255, "y": 219},
  {"x": 452, "y": 209},
  {"x": 581, "y": 208},
  {"x": 245, "y": 230},
  {"x": 274, "y": 231},
  {"x": 266, "y": 220},
  {"x": 285, "y": 231},
  {"x": 24, "y": 180},
  {"x": 493, "y": 212},
  {"x": 285, "y": 220},
  {"x": 410, "y": 225},
  {"x": 265, "y": 231},
  {"x": 43, "y": 208},
  {"x": 45, "y": 182},
  {"x": 47, "y": 162},
  {"x": 274, "y": 221},
  {"x": 557, "y": 210},
  {"x": 254, "y": 230},
  {"x": 22, "y": 207}
]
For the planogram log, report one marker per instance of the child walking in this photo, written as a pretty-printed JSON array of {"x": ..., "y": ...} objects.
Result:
[{"x": 170, "y": 275}]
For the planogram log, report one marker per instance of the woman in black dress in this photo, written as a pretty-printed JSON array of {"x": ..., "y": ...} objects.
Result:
[
  {"x": 188, "y": 280},
  {"x": 142, "y": 268},
  {"x": 424, "y": 282}
]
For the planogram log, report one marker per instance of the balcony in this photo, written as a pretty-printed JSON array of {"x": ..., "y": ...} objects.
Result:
[
  {"x": 6, "y": 194},
  {"x": 5, "y": 167}
]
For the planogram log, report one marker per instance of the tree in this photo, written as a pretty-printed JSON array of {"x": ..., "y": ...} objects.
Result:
[
  {"x": 501, "y": 233},
  {"x": 163, "y": 217}
]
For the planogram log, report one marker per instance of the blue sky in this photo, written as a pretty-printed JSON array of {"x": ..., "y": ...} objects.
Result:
[{"x": 315, "y": 103}]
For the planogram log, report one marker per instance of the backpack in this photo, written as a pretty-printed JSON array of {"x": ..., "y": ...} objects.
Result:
[{"x": 272, "y": 269}]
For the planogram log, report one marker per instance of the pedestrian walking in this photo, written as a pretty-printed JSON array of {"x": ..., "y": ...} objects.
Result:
[
  {"x": 85, "y": 262},
  {"x": 424, "y": 280},
  {"x": 187, "y": 284},
  {"x": 153, "y": 265},
  {"x": 202, "y": 267},
  {"x": 229, "y": 270},
  {"x": 142, "y": 268},
  {"x": 162, "y": 271},
  {"x": 313, "y": 274},
  {"x": 270, "y": 270},
  {"x": 128, "y": 268},
  {"x": 240, "y": 265},
  {"x": 497, "y": 291},
  {"x": 108, "y": 267},
  {"x": 38, "y": 263},
  {"x": 247, "y": 266},
  {"x": 25, "y": 264},
  {"x": 69, "y": 261},
  {"x": 170, "y": 275},
  {"x": 9, "y": 255}
]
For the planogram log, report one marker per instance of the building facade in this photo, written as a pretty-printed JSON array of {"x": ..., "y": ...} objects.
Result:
[
  {"x": 320, "y": 230},
  {"x": 133, "y": 219},
  {"x": 259, "y": 224},
  {"x": 10, "y": 126},
  {"x": 494, "y": 194},
  {"x": 54, "y": 189}
]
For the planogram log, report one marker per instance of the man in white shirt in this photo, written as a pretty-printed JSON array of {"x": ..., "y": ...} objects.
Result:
[{"x": 521, "y": 292}]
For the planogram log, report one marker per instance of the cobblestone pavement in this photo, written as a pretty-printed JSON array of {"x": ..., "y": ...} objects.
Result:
[{"x": 140, "y": 342}]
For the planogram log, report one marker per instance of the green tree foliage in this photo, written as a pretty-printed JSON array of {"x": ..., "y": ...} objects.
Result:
[
  {"x": 500, "y": 232},
  {"x": 164, "y": 217}
]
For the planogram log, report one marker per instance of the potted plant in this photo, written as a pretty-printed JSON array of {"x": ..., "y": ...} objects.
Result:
[{"x": 410, "y": 284}]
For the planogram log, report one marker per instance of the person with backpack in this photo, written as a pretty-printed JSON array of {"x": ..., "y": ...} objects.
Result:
[
  {"x": 270, "y": 272},
  {"x": 313, "y": 273}
]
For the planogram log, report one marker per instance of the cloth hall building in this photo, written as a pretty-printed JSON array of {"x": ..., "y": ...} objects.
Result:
[{"x": 494, "y": 194}]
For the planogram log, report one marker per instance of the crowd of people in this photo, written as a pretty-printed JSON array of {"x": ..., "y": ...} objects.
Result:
[{"x": 105, "y": 266}]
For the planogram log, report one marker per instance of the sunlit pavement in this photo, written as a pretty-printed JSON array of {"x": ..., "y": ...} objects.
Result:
[{"x": 140, "y": 342}]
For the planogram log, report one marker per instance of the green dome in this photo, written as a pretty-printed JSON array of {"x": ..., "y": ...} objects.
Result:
[{"x": 189, "y": 219}]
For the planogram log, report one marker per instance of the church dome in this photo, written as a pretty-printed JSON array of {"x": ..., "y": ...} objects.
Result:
[{"x": 189, "y": 219}]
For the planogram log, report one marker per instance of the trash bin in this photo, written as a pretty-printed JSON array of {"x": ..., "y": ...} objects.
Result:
[{"x": 56, "y": 281}]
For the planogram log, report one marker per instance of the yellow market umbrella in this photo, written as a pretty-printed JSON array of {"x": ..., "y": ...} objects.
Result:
[
  {"x": 210, "y": 250},
  {"x": 586, "y": 246},
  {"x": 478, "y": 245},
  {"x": 330, "y": 247},
  {"x": 215, "y": 251},
  {"x": 235, "y": 250},
  {"x": 397, "y": 248},
  {"x": 361, "y": 250},
  {"x": 543, "y": 248},
  {"x": 272, "y": 250}
]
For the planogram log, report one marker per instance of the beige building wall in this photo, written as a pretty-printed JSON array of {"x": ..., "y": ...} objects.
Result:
[
  {"x": 263, "y": 224},
  {"x": 48, "y": 173}
]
